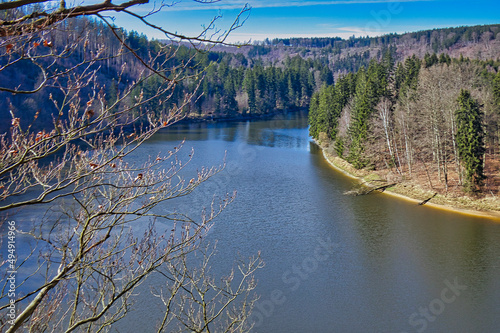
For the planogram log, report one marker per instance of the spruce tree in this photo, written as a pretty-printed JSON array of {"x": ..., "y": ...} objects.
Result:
[
  {"x": 470, "y": 140},
  {"x": 314, "y": 116},
  {"x": 496, "y": 88},
  {"x": 359, "y": 122}
]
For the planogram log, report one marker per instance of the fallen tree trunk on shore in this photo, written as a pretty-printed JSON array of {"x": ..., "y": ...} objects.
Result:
[
  {"x": 365, "y": 189},
  {"x": 380, "y": 188},
  {"x": 427, "y": 200}
]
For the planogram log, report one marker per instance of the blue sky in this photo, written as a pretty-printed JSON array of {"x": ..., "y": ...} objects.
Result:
[{"x": 320, "y": 18}]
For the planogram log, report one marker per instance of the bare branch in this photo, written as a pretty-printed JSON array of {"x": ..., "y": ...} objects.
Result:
[{"x": 90, "y": 254}]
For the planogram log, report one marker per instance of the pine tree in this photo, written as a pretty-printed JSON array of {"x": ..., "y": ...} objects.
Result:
[
  {"x": 496, "y": 88},
  {"x": 326, "y": 75},
  {"x": 313, "y": 116},
  {"x": 112, "y": 93},
  {"x": 249, "y": 84},
  {"x": 359, "y": 126},
  {"x": 229, "y": 97},
  {"x": 470, "y": 140}
]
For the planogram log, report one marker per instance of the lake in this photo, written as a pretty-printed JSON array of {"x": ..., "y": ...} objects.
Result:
[
  {"x": 337, "y": 263},
  {"x": 334, "y": 263}
]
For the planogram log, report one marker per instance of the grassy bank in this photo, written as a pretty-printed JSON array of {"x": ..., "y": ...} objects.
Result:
[{"x": 483, "y": 205}]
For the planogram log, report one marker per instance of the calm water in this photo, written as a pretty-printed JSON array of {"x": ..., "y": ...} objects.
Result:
[{"x": 334, "y": 263}]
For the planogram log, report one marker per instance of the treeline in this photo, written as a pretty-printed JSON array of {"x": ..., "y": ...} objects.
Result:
[
  {"x": 234, "y": 85},
  {"x": 436, "y": 118},
  {"x": 259, "y": 81},
  {"x": 348, "y": 55},
  {"x": 439, "y": 39}
]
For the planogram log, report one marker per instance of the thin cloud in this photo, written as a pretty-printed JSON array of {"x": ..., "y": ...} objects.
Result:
[
  {"x": 342, "y": 32},
  {"x": 362, "y": 32}
]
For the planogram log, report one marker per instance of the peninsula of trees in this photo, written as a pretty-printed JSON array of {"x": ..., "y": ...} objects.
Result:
[{"x": 435, "y": 119}]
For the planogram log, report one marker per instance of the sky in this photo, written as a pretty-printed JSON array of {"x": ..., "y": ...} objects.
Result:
[{"x": 314, "y": 18}]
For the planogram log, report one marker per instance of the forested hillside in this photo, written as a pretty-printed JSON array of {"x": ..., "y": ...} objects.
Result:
[
  {"x": 348, "y": 55},
  {"x": 435, "y": 120},
  {"x": 265, "y": 78},
  {"x": 233, "y": 85},
  {"x": 81, "y": 47}
]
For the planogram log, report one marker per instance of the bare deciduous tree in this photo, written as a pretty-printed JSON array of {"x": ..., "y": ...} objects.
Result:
[{"x": 87, "y": 256}]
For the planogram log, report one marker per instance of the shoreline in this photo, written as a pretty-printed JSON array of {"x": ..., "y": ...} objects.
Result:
[
  {"x": 239, "y": 117},
  {"x": 392, "y": 191}
]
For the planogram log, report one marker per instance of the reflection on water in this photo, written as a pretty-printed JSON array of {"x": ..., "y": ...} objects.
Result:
[
  {"x": 390, "y": 264},
  {"x": 283, "y": 131}
]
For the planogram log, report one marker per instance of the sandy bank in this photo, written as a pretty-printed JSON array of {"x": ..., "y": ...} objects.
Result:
[{"x": 409, "y": 192}]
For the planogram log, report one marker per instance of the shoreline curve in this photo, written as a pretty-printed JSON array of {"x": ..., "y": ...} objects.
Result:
[{"x": 491, "y": 215}]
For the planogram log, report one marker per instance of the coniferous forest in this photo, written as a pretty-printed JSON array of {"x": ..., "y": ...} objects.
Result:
[
  {"x": 253, "y": 80},
  {"x": 434, "y": 119},
  {"x": 232, "y": 85}
]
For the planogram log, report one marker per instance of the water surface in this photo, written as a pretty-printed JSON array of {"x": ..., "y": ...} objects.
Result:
[
  {"x": 337, "y": 263},
  {"x": 334, "y": 263}
]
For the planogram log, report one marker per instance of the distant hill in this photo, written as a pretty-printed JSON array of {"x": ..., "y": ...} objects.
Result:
[
  {"x": 265, "y": 78},
  {"x": 480, "y": 42}
]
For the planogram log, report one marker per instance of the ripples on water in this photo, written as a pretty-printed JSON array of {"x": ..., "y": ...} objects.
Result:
[{"x": 389, "y": 260}]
